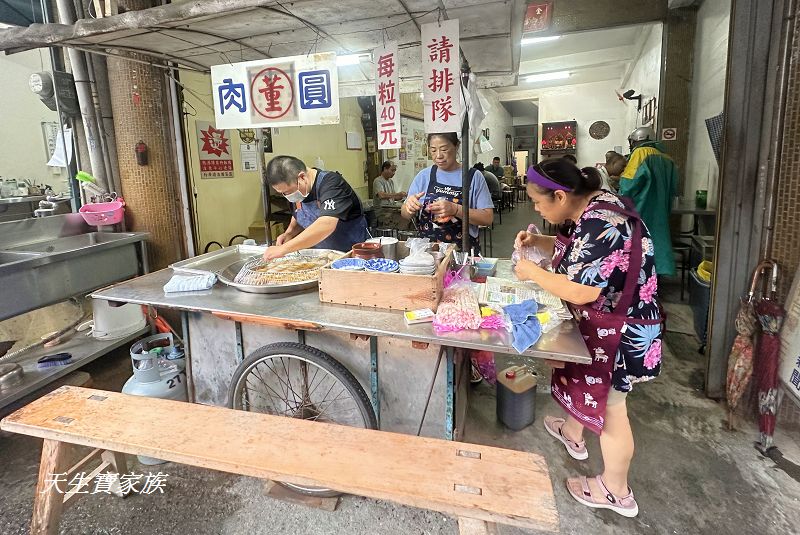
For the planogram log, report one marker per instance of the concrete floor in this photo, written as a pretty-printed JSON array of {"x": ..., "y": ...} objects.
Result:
[{"x": 690, "y": 474}]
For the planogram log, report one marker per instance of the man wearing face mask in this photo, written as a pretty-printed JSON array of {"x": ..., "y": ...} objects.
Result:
[{"x": 327, "y": 213}]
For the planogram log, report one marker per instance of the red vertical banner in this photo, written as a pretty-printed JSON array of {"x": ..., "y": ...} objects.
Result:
[
  {"x": 538, "y": 17},
  {"x": 441, "y": 76},
  {"x": 387, "y": 95}
]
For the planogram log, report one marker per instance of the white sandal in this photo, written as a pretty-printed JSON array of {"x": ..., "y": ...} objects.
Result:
[{"x": 576, "y": 450}]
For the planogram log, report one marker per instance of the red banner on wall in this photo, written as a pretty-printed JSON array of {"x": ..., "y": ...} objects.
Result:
[{"x": 538, "y": 17}]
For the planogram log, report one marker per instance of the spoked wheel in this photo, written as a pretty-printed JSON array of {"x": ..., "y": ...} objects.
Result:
[{"x": 299, "y": 381}]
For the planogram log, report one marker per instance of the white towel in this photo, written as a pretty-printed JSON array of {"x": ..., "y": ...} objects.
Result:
[{"x": 190, "y": 283}]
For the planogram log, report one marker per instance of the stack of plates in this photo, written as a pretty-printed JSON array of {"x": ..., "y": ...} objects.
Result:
[
  {"x": 383, "y": 265},
  {"x": 349, "y": 264},
  {"x": 418, "y": 265}
]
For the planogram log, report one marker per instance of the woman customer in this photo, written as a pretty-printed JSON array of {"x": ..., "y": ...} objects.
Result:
[
  {"x": 605, "y": 268},
  {"x": 435, "y": 196}
]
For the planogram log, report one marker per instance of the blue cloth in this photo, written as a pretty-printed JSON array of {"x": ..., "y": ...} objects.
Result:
[
  {"x": 525, "y": 326},
  {"x": 189, "y": 283},
  {"x": 480, "y": 197}
]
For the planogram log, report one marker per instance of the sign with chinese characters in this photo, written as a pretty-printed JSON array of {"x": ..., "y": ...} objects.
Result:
[
  {"x": 790, "y": 342},
  {"x": 387, "y": 99},
  {"x": 290, "y": 91},
  {"x": 214, "y": 150},
  {"x": 538, "y": 17},
  {"x": 441, "y": 76}
]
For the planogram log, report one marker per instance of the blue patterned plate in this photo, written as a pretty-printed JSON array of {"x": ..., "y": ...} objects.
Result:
[
  {"x": 349, "y": 264},
  {"x": 384, "y": 265}
]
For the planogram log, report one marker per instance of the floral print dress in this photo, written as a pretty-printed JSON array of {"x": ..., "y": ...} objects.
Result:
[{"x": 598, "y": 256}]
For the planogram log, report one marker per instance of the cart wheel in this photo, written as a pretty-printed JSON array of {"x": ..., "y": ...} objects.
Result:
[{"x": 300, "y": 381}]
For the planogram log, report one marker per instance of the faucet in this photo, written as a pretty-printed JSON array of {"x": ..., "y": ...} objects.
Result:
[{"x": 48, "y": 206}]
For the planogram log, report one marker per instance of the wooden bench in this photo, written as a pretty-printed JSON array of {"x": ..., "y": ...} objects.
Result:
[{"x": 472, "y": 482}]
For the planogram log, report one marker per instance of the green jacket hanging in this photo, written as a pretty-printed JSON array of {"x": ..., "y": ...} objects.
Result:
[{"x": 650, "y": 179}]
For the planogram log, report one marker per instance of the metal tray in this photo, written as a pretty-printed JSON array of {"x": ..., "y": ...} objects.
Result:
[
  {"x": 216, "y": 261},
  {"x": 226, "y": 263}
]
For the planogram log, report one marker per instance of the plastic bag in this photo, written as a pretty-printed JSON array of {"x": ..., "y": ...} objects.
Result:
[
  {"x": 458, "y": 310},
  {"x": 534, "y": 254}
]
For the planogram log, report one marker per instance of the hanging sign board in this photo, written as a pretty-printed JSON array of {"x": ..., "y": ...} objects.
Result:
[
  {"x": 290, "y": 91},
  {"x": 214, "y": 150},
  {"x": 387, "y": 99},
  {"x": 441, "y": 76}
]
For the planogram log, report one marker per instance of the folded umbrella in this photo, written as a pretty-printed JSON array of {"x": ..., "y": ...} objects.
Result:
[
  {"x": 740, "y": 360},
  {"x": 770, "y": 316}
]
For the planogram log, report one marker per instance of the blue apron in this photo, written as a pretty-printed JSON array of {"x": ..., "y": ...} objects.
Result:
[
  {"x": 346, "y": 233},
  {"x": 451, "y": 231}
]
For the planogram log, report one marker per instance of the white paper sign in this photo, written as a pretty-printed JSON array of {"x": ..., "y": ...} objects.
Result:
[
  {"x": 441, "y": 76},
  {"x": 60, "y": 157},
  {"x": 387, "y": 99},
  {"x": 789, "y": 370},
  {"x": 290, "y": 91},
  {"x": 249, "y": 155}
]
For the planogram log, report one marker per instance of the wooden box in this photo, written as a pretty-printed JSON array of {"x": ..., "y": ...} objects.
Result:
[{"x": 394, "y": 291}]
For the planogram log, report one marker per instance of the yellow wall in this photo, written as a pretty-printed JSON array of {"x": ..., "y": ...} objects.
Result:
[{"x": 225, "y": 207}]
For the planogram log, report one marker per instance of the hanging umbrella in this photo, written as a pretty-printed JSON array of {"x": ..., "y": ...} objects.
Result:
[
  {"x": 740, "y": 360},
  {"x": 770, "y": 316}
]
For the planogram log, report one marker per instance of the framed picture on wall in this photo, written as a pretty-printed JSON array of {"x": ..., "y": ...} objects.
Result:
[{"x": 266, "y": 133}]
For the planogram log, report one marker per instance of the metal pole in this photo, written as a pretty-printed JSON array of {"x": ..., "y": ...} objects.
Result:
[
  {"x": 180, "y": 156},
  {"x": 466, "y": 176},
  {"x": 264, "y": 191},
  {"x": 776, "y": 142},
  {"x": 82, "y": 86},
  {"x": 57, "y": 64}
]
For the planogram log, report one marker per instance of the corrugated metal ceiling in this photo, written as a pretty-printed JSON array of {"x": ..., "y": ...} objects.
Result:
[{"x": 195, "y": 35}]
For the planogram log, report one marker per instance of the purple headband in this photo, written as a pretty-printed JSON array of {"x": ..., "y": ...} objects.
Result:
[{"x": 541, "y": 180}]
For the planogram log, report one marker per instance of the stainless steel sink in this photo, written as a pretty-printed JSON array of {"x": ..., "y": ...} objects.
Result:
[
  {"x": 73, "y": 243},
  {"x": 46, "y": 260},
  {"x": 7, "y": 257}
]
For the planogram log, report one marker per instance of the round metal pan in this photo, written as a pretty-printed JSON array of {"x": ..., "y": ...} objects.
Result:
[{"x": 227, "y": 275}]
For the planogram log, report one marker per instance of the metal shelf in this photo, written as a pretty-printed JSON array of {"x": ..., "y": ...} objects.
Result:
[{"x": 83, "y": 349}]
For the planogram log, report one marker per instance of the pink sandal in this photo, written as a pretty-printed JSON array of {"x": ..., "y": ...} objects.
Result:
[
  {"x": 576, "y": 450},
  {"x": 625, "y": 505}
]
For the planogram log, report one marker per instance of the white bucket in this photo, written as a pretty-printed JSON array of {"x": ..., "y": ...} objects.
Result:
[{"x": 116, "y": 322}]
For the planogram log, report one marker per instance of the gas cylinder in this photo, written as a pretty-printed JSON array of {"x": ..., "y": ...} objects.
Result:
[
  {"x": 516, "y": 397},
  {"x": 159, "y": 371}
]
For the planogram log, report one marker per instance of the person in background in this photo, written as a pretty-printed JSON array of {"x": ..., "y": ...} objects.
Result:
[
  {"x": 571, "y": 158},
  {"x": 434, "y": 197},
  {"x": 496, "y": 169},
  {"x": 491, "y": 180},
  {"x": 650, "y": 179},
  {"x": 327, "y": 212},
  {"x": 615, "y": 164},
  {"x": 604, "y": 268},
  {"x": 384, "y": 190}
]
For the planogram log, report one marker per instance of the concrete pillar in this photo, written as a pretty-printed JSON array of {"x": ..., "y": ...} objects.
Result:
[
  {"x": 676, "y": 85},
  {"x": 139, "y": 99}
]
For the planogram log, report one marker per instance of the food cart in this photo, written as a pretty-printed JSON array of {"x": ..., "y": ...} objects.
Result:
[{"x": 402, "y": 368}]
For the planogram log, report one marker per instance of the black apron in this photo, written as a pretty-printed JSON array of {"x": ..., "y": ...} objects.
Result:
[
  {"x": 346, "y": 234},
  {"x": 446, "y": 232}
]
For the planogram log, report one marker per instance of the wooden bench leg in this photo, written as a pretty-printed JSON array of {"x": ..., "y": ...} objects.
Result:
[
  {"x": 471, "y": 526},
  {"x": 49, "y": 500},
  {"x": 119, "y": 464}
]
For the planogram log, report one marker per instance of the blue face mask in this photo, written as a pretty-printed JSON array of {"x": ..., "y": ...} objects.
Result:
[{"x": 296, "y": 196}]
